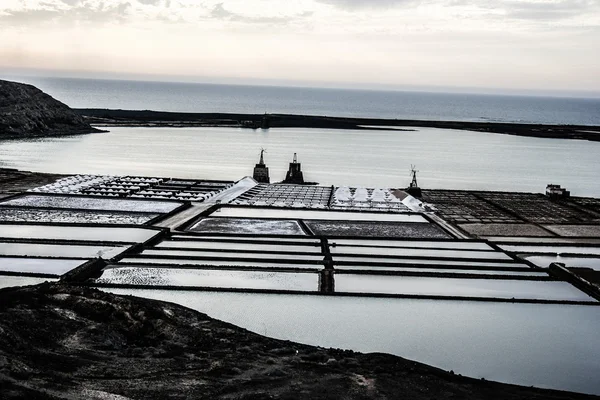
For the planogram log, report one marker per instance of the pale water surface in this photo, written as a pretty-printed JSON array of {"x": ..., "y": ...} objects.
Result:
[
  {"x": 445, "y": 158},
  {"x": 552, "y": 346},
  {"x": 198, "y": 97}
]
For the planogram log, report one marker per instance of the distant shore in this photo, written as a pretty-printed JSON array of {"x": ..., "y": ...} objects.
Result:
[{"x": 133, "y": 118}]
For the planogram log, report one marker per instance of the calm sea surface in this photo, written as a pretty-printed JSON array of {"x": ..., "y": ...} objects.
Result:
[
  {"x": 187, "y": 97},
  {"x": 445, "y": 158}
]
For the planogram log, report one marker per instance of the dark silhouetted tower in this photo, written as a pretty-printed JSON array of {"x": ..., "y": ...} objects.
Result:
[
  {"x": 261, "y": 172},
  {"x": 414, "y": 189},
  {"x": 294, "y": 174}
]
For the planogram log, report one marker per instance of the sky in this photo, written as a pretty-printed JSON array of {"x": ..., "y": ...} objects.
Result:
[{"x": 505, "y": 44}]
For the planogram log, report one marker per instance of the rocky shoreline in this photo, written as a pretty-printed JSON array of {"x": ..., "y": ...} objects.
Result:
[
  {"x": 60, "y": 341},
  {"x": 145, "y": 118},
  {"x": 26, "y": 111}
]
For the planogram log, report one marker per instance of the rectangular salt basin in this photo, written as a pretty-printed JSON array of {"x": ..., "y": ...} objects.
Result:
[
  {"x": 530, "y": 272},
  {"x": 582, "y": 262},
  {"x": 14, "y": 214},
  {"x": 11, "y": 281},
  {"x": 445, "y": 244},
  {"x": 59, "y": 250},
  {"x": 237, "y": 246},
  {"x": 367, "y": 259},
  {"x": 551, "y": 249},
  {"x": 248, "y": 226},
  {"x": 525, "y": 344},
  {"x": 300, "y": 240},
  {"x": 490, "y": 288},
  {"x": 233, "y": 254},
  {"x": 388, "y": 251},
  {"x": 218, "y": 263},
  {"x": 512, "y": 239},
  {"x": 318, "y": 215},
  {"x": 211, "y": 278},
  {"x": 100, "y": 234},
  {"x": 89, "y": 203},
  {"x": 38, "y": 265}
]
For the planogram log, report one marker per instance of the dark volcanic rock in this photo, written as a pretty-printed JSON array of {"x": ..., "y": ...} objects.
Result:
[
  {"x": 65, "y": 342},
  {"x": 27, "y": 111}
]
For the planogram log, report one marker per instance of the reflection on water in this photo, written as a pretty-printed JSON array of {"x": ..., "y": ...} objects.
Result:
[{"x": 445, "y": 158}]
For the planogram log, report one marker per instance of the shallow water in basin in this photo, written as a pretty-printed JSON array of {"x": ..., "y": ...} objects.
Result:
[
  {"x": 211, "y": 278},
  {"x": 491, "y": 288},
  {"x": 233, "y": 254},
  {"x": 127, "y": 235},
  {"x": 56, "y": 250},
  {"x": 447, "y": 253},
  {"x": 38, "y": 265},
  {"x": 10, "y": 281},
  {"x": 552, "y": 346}
]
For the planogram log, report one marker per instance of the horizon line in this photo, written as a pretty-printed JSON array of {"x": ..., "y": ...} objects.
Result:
[{"x": 291, "y": 83}]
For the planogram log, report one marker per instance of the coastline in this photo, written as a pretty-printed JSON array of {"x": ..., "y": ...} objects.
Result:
[{"x": 147, "y": 118}]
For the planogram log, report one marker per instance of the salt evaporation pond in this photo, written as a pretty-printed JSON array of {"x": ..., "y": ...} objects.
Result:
[
  {"x": 196, "y": 244},
  {"x": 447, "y": 253},
  {"x": 274, "y": 213},
  {"x": 365, "y": 258},
  {"x": 292, "y": 239},
  {"x": 538, "y": 240},
  {"x": 230, "y": 263},
  {"x": 38, "y": 265},
  {"x": 90, "y": 203},
  {"x": 225, "y": 254},
  {"x": 583, "y": 262},
  {"x": 59, "y": 250},
  {"x": 14, "y": 214},
  {"x": 247, "y": 226},
  {"x": 10, "y": 281},
  {"x": 487, "y": 161},
  {"x": 523, "y": 272},
  {"x": 545, "y": 345},
  {"x": 444, "y": 244},
  {"x": 551, "y": 249},
  {"x": 489, "y": 288},
  {"x": 102, "y": 234},
  {"x": 211, "y": 278}
]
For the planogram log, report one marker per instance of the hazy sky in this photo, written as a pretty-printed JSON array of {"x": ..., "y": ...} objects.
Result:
[{"x": 522, "y": 44}]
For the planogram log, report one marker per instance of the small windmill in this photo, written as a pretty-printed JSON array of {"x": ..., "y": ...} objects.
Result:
[
  {"x": 414, "y": 189},
  {"x": 413, "y": 173}
]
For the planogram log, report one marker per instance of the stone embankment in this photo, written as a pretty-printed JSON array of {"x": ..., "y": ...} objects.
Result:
[{"x": 26, "y": 111}]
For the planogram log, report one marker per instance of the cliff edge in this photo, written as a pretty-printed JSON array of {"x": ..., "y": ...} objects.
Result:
[{"x": 26, "y": 111}]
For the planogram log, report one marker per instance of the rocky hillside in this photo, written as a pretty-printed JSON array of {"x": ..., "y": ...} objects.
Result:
[
  {"x": 62, "y": 342},
  {"x": 27, "y": 111}
]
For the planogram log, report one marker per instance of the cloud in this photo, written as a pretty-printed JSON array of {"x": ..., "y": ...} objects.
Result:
[
  {"x": 513, "y": 9},
  {"x": 535, "y": 9},
  {"x": 373, "y": 4},
  {"x": 75, "y": 10},
  {"x": 220, "y": 12},
  {"x": 548, "y": 10}
]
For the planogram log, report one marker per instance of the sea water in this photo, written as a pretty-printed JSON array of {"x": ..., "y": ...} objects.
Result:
[
  {"x": 450, "y": 159},
  {"x": 194, "y": 97}
]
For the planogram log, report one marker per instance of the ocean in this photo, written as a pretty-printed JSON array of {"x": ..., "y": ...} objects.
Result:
[
  {"x": 445, "y": 158},
  {"x": 194, "y": 97}
]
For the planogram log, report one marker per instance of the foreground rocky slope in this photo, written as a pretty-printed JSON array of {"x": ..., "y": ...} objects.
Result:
[
  {"x": 27, "y": 111},
  {"x": 58, "y": 341}
]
